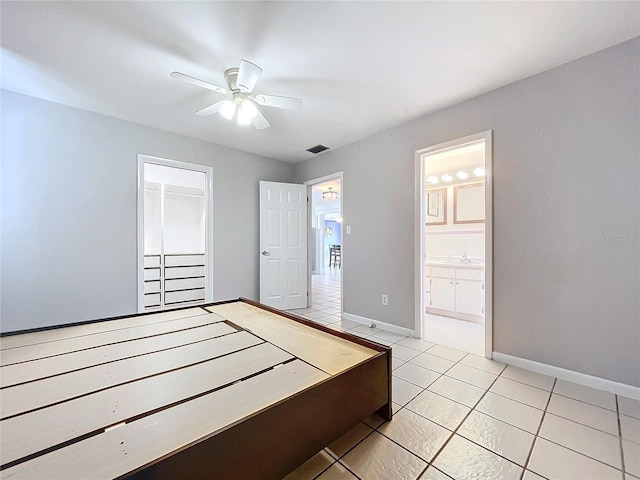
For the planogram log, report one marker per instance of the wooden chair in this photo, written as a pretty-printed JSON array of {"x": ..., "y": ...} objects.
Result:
[{"x": 334, "y": 256}]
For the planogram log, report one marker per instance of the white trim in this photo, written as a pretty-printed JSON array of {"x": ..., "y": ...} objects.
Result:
[
  {"x": 570, "y": 375},
  {"x": 369, "y": 322},
  {"x": 419, "y": 221},
  {"x": 488, "y": 243},
  {"x": 208, "y": 171},
  {"x": 310, "y": 183}
]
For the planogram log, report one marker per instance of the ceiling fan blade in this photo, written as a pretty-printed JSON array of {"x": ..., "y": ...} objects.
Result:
[
  {"x": 211, "y": 109},
  {"x": 259, "y": 121},
  {"x": 290, "y": 103},
  {"x": 198, "y": 82},
  {"x": 248, "y": 75}
]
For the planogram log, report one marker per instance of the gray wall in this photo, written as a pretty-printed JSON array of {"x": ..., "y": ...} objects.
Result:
[
  {"x": 566, "y": 213},
  {"x": 69, "y": 180}
]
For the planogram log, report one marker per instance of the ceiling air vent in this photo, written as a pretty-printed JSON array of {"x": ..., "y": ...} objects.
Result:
[{"x": 317, "y": 149}]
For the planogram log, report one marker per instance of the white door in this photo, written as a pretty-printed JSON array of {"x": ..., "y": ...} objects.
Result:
[{"x": 283, "y": 245}]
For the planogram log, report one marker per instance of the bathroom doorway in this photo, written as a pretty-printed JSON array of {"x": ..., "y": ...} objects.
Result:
[{"x": 454, "y": 253}]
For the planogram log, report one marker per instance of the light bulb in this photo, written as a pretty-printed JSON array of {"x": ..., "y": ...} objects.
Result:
[
  {"x": 446, "y": 177},
  {"x": 246, "y": 112},
  {"x": 432, "y": 179},
  {"x": 249, "y": 108},
  {"x": 228, "y": 109},
  {"x": 478, "y": 172},
  {"x": 462, "y": 175}
]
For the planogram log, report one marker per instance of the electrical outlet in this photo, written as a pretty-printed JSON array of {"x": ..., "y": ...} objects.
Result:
[
  {"x": 385, "y": 299},
  {"x": 348, "y": 229}
]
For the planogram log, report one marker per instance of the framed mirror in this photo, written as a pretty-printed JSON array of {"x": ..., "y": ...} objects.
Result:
[
  {"x": 468, "y": 203},
  {"x": 436, "y": 208}
]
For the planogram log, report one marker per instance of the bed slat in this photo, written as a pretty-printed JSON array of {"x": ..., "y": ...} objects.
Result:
[
  {"x": 134, "y": 331},
  {"x": 24, "y": 339},
  {"x": 24, "y": 435},
  {"x": 45, "y": 367},
  {"x": 124, "y": 449},
  {"x": 38, "y": 394},
  {"x": 323, "y": 350}
]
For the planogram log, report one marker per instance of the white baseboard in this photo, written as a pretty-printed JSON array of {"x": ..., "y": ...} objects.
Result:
[
  {"x": 389, "y": 327},
  {"x": 569, "y": 375}
]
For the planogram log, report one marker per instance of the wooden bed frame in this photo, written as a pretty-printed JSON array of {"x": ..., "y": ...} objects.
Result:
[{"x": 231, "y": 390}]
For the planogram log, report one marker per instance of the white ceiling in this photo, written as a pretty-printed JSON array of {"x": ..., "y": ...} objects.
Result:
[{"x": 360, "y": 67}]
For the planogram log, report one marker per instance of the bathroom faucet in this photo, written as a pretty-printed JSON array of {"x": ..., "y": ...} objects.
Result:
[{"x": 464, "y": 258}]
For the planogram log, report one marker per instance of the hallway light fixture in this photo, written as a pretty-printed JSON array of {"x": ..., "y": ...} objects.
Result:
[{"x": 329, "y": 194}]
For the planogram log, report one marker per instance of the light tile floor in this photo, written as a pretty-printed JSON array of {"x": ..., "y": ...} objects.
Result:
[{"x": 461, "y": 416}]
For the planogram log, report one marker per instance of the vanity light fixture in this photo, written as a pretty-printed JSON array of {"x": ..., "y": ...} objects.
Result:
[
  {"x": 459, "y": 175},
  {"x": 329, "y": 194}
]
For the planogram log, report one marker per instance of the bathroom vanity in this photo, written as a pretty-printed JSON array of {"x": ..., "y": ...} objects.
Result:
[{"x": 455, "y": 290}]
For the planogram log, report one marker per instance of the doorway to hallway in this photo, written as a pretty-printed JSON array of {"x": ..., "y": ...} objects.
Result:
[{"x": 325, "y": 249}]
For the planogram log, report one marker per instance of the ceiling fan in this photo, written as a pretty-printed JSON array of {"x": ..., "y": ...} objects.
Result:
[{"x": 240, "y": 84}]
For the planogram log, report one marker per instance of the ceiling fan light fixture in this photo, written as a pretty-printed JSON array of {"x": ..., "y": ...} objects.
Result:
[
  {"x": 244, "y": 107},
  {"x": 246, "y": 112},
  {"x": 228, "y": 109}
]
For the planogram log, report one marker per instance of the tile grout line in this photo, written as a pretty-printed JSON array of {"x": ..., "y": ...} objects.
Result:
[
  {"x": 624, "y": 469},
  {"x": 535, "y": 438},
  {"x": 403, "y": 406},
  {"x": 337, "y": 460},
  {"x": 453, "y": 434}
]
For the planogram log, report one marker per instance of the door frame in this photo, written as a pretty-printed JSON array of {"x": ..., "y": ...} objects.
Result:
[
  {"x": 420, "y": 230},
  {"x": 310, "y": 183},
  {"x": 208, "y": 209}
]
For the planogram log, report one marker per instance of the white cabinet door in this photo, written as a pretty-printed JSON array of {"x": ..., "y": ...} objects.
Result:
[
  {"x": 469, "y": 297},
  {"x": 443, "y": 294}
]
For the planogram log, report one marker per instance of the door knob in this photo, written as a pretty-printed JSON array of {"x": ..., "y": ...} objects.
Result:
[{"x": 266, "y": 254}]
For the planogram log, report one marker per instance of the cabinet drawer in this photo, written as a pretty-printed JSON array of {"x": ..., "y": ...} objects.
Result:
[
  {"x": 183, "y": 260},
  {"x": 469, "y": 274},
  {"x": 151, "y": 261},
  {"x": 151, "y": 300},
  {"x": 152, "y": 287},
  {"x": 183, "y": 272},
  {"x": 183, "y": 296},
  {"x": 443, "y": 272},
  {"x": 184, "y": 284},
  {"x": 151, "y": 274}
]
